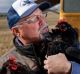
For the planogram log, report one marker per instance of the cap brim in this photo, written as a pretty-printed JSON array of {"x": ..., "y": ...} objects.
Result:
[{"x": 44, "y": 5}]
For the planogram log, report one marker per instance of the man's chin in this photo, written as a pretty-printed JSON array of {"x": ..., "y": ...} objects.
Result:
[
  {"x": 41, "y": 37},
  {"x": 36, "y": 40}
]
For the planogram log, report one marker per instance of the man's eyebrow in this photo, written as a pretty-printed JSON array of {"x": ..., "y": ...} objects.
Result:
[{"x": 24, "y": 18}]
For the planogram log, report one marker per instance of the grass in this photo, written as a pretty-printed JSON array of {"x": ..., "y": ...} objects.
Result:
[{"x": 6, "y": 36}]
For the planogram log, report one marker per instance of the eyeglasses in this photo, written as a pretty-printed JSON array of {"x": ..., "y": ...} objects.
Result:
[{"x": 34, "y": 18}]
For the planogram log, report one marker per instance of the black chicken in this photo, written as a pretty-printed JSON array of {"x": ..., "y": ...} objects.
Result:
[{"x": 64, "y": 39}]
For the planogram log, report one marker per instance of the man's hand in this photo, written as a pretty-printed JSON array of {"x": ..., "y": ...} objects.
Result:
[{"x": 57, "y": 64}]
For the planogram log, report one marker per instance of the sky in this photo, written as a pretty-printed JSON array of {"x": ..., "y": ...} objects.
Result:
[{"x": 5, "y": 5}]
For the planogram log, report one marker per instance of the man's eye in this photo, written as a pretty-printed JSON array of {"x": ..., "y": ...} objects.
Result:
[
  {"x": 29, "y": 21},
  {"x": 32, "y": 20},
  {"x": 25, "y": 19}
]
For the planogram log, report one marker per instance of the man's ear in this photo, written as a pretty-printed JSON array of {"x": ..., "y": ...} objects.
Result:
[{"x": 15, "y": 31}]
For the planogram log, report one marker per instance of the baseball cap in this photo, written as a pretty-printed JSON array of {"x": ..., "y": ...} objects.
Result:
[{"x": 22, "y": 8}]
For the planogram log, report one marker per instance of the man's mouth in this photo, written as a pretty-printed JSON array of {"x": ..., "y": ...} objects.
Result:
[{"x": 44, "y": 29}]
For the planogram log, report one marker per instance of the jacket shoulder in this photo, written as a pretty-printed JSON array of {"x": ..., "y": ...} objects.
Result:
[{"x": 29, "y": 62}]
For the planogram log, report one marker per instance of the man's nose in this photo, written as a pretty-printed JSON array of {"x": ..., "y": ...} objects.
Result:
[{"x": 41, "y": 22}]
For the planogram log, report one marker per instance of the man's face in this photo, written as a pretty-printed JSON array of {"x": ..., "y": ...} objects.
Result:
[{"x": 34, "y": 27}]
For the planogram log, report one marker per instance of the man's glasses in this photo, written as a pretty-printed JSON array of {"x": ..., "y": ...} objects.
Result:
[{"x": 34, "y": 18}]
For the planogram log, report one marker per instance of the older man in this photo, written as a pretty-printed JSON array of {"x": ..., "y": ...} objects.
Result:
[{"x": 29, "y": 27}]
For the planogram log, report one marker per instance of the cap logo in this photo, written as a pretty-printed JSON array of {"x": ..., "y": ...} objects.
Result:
[
  {"x": 24, "y": 2},
  {"x": 20, "y": 6}
]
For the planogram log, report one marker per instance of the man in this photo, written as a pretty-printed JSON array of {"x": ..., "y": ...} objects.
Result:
[{"x": 29, "y": 27}]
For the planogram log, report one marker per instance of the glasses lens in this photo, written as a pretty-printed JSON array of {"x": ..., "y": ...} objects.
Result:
[
  {"x": 45, "y": 14},
  {"x": 32, "y": 20},
  {"x": 35, "y": 18}
]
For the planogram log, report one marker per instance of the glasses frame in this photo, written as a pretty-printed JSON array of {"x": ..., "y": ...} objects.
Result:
[{"x": 29, "y": 20}]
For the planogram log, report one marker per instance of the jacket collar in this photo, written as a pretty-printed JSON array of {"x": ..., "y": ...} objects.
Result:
[{"x": 24, "y": 50}]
